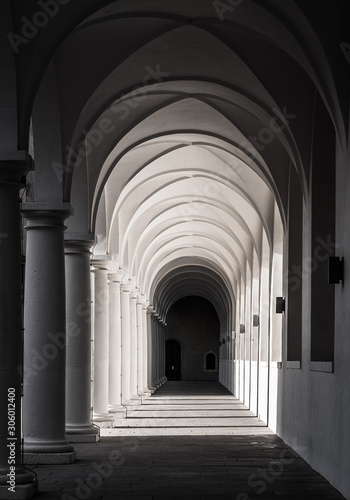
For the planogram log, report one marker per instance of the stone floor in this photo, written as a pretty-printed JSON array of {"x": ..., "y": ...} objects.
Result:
[{"x": 188, "y": 441}]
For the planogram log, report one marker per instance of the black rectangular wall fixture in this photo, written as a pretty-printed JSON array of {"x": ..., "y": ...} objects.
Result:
[
  {"x": 335, "y": 270},
  {"x": 280, "y": 305}
]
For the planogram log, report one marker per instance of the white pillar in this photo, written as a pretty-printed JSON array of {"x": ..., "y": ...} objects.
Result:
[
  {"x": 12, "y": 168},
  {"x": 125, "y": 321},
  {"x": 146, "y": 388},
  {"x": 78, "y": 356},
  {"x": 44, "y": 411},
  {"x": 140, "y": 361},
  {"x": 158, "y": 350},
  {"x": 133, "y": 346},
  {"x": 155, "y": 317},
  {"x": 150, "y": 346},
  {"x": 115, "y": 346},
  {"x": 101, "y": 340},
  {"x": 163, "y": 377}
]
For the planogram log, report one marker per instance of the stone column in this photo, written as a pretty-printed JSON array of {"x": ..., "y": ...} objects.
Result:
[
  {"x": 78, "y": 356},
  {"x": 163, "y": 377},
  {"x": 155, "y": 317},
  {"x": 115, "y": 346},
  {"x": 44, "y": 408},
  {"x": 140, "y": 383},
  {"x": 146, "y": 389},
  {"x": 125, "y": 321},
  {"x": 158, "y": 351},
  {"x": 161, "y": 335},
  {"x": 150, "y": 345},
  {"x": 133, "y": 346},
  {"x": 101, "y": 355},
  {"x": 12, "y": 167}
]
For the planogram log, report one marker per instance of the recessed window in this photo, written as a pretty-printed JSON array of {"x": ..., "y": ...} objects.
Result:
[{"x": 210, "y": 362}]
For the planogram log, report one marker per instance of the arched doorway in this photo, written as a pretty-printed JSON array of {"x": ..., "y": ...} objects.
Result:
[{"x": 173, "y": 360}]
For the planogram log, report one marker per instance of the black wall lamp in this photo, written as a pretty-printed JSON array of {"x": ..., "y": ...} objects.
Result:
[
  {"x": 256, "y": 320},
  {"x": 241, "y": 328},
  {"x": 335, "y": 270}
]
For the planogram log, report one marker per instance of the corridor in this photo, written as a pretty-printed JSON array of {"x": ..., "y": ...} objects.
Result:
[
  {"x": 190, "y": 440},
  {"x": 175, "y": 249}
]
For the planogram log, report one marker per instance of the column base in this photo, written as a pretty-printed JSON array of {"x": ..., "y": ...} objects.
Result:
[
  {"x": 19, "y": 492},
  {"x": 82, "y": 434},
  {"x": 104, "y": 420},
  {"x": 136, "y": 401},
  {"x": 83, "y": 438},
  {"x": 49, "y": 458},
  {"x": 23, "y": 486},
  {"x": 136, "y": 397},
  {"x": 48, "y": 452},
  {"x": 117, "y": 411},
  {"x": 131, "y": 405}
]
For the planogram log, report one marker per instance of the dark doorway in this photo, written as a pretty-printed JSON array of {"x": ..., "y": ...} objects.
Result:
[
  {"x": 173, "y": 360},
  {"x": 210, "y": 361}
]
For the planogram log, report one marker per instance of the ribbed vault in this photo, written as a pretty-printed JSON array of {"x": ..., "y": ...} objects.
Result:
[{"x": 195, "y": 280}]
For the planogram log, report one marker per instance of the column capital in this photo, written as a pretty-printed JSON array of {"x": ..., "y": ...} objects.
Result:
[
  {"x": 79, "y": 245},
  {"x": 126, "y": 287},
  {"x": 150, "y": 310},
  {"x": 135, "y": 294},
  {"x": 43, "y": 209},
  {"x": 100, "y": 263},
  {"x": 142, "y": 301},
  {"x": 116, "y": 277},
  {"x": 13, "y": 166}
]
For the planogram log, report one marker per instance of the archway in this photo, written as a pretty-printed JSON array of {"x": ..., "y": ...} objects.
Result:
[{"x": 194, "y": 322}]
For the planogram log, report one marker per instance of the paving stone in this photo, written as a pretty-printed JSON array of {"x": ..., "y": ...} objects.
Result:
[{"x": 187, "y": 460}]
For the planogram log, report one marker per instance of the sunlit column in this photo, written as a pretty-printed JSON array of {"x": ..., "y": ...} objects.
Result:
[
  {"x": 146, "y": 388},
  {"x": 140, "y": 352},
  {"x": 101, "y": 341},
  {"x": 125, "y": 361},
  {"x": 115, "y": 345},
  {"x": 150, "y": 342},
  {"x": 133, "y": 346}
]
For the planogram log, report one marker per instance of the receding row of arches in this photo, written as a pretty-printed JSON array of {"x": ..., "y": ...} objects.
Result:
[{"x": 195, "y": 160}]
